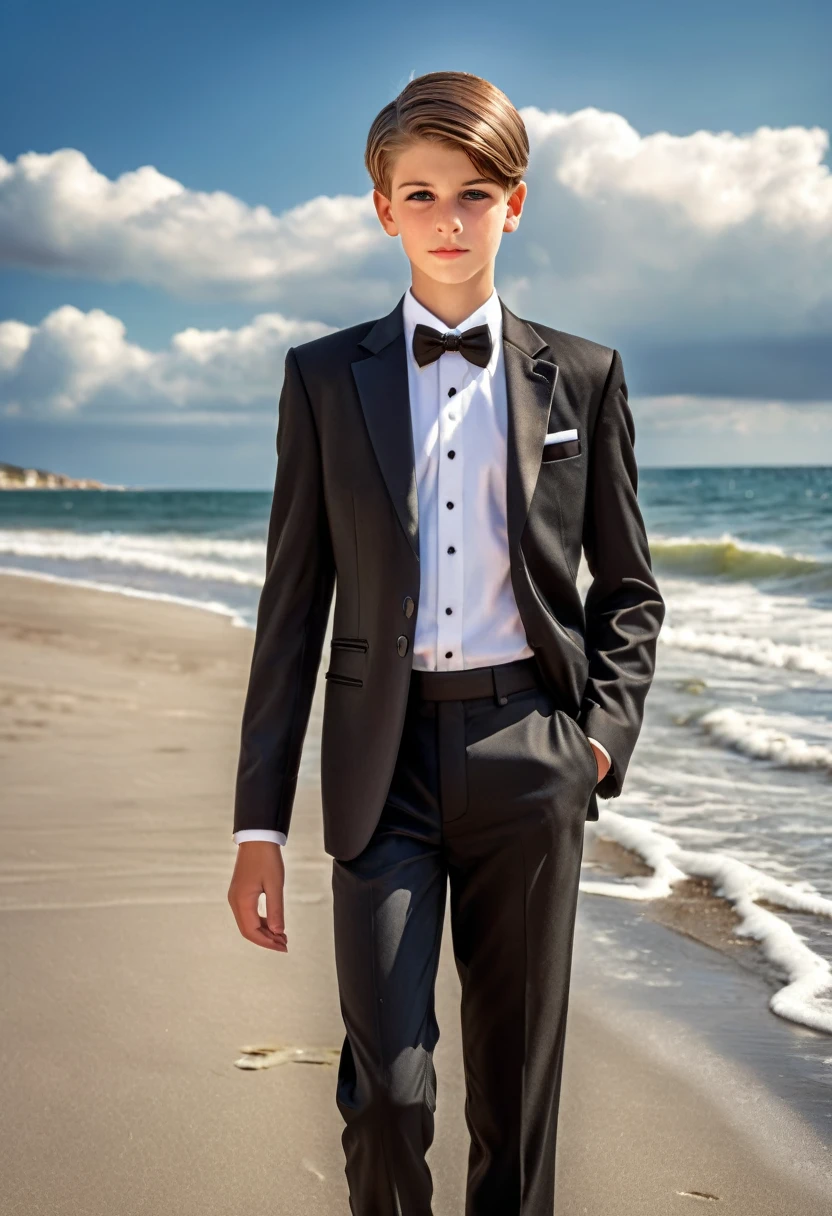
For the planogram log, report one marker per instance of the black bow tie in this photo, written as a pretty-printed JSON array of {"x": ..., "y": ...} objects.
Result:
[{"x": 474, "y": 344}]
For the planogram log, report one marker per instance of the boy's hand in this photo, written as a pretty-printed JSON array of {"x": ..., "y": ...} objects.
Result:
[
  {"x": 259, "y": 868},
  {"x": 601, "y": 760}
]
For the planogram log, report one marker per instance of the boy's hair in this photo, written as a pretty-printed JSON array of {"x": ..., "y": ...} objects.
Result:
[{"x": 453, "y": 108}]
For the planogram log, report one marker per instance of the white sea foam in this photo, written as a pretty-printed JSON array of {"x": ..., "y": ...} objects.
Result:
[
  {"x": 806, "y": 997},
  {"x": 240, "y": 562},
  {"x": 765, "y": 736},
  {"x": 761, "y": 651},
  {"x": 133, "y": 593}
]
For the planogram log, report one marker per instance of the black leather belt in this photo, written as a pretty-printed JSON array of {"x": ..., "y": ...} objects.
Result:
[{"x": 499, "y": 681}]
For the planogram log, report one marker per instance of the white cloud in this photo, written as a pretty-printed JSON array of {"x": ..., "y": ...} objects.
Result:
[
  {"x": 715, "y": 180},
  {"x": 684, "y": 237},
  {"x": 58, "y": 213},
  {"x": 701, "y": 235},
  {"x": 81, "y": 364},
  {"x": 14, "y": 341}
]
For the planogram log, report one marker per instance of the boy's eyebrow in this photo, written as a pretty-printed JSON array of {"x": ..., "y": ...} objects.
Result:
[{"x": 474, "y": 182}]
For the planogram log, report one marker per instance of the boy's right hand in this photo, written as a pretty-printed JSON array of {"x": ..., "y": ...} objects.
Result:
[{"x": 259, "y": 869}]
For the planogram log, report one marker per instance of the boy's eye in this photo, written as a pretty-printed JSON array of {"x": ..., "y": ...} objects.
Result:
[{"x": 419, "y": 195}]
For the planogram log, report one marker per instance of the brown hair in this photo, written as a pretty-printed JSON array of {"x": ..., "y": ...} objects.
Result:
[{"x": 453, "y": 108}]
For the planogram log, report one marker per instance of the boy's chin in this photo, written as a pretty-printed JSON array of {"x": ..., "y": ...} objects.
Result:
[{"x": 460, "y": 270}]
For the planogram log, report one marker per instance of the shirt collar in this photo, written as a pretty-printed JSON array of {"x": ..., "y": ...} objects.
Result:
[{"x": 489, "y": 313}]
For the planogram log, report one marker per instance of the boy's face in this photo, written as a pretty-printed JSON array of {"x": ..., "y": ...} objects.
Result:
[{"x": 439, "y": 201}]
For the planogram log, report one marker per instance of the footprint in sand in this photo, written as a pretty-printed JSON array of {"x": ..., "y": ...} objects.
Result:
[{"x": 270, "y": 1055}]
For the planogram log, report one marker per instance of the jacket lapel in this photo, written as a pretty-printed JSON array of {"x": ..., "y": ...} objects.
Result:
[
  {"x": 383, "y": 389},
  {"x": 530, "y": 388},
  {"x": 385, "y": 396}
]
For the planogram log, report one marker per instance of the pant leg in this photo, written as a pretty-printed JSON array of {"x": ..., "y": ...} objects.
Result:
[
  {"x": 514, "y": 865},
  {"x": 389, "y": 905}
]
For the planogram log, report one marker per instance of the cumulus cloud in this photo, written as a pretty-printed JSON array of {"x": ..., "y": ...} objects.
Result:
[
  {"x": 715, "y": 180},
  {"x": 58, "y": 213},
  {"x": 688, "y": 236},
  {"x": 685, "y": 236},
  {"x": 81, "y": 364}
]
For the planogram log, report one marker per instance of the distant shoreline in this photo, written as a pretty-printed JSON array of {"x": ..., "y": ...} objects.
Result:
[{"x": 18, "y": 477}]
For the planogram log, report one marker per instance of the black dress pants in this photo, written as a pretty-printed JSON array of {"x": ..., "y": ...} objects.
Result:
[{"x": 489, "y": 798}]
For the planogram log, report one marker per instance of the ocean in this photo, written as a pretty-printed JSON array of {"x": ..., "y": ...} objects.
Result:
[{"x": 731, "y": 776}]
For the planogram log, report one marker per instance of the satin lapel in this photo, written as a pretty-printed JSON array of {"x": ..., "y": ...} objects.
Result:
[
  {"x": 530, "y": 387},
  {"x": 385, "y": 399}
]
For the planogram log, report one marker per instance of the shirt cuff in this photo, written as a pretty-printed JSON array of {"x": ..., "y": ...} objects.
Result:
[
  {"x": 602, "y": 748},
  {"x": 260, "y": 834}
]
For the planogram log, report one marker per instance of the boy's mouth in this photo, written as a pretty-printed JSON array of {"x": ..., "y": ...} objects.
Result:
[{"x": 448, "y": 252}]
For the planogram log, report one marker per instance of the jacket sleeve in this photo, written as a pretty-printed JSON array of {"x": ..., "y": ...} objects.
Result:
[
  {"x": 624, "y": 608},
  {"x": 291, "y": 620}
]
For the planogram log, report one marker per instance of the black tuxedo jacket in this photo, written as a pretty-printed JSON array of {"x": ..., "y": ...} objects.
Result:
[{"x": 345, "y": 510}]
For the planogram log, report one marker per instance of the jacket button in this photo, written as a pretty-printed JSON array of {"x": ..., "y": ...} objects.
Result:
[
  {"x": 401, "y": 644},
  {"x": 408, "y": 606}
]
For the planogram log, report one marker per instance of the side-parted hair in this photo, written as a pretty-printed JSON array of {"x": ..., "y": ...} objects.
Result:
[{"x": 453, "y": 108}]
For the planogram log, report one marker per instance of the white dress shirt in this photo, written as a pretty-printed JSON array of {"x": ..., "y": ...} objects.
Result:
[{"x": 467, "y": 614}]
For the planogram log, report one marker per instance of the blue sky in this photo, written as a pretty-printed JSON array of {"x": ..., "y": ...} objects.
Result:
[{"x": 723, "y": 317}]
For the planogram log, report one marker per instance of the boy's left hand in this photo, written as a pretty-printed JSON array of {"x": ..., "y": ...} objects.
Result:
[{"x": 601, "y": 760}]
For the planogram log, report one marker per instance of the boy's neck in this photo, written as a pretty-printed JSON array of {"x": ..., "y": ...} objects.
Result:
[{"x": 452, "y": 302}]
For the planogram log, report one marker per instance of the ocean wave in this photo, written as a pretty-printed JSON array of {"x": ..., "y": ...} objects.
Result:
[
  {"x": 806, "y": 997},
  {"x": 764, "y": 737},
  {"x": 727, "y": 557},
  {"x": 186, "y": 557},
  {"x": 761, "y": 651},
  {"x": 241, "y": 560}
]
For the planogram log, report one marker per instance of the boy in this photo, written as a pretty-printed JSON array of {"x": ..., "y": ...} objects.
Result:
[{"x": 450, "y": 461}]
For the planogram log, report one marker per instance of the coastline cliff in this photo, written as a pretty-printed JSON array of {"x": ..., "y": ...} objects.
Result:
[{"x": 16, "y": 477}]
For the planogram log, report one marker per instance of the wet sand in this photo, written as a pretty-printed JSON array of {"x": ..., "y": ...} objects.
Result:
[
  {"x": 691, "y": 908},
  {"x": 129, "y": 996}
]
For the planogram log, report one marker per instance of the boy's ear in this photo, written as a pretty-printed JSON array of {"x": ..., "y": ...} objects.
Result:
[
  {"x": 384, "y": 213},
  {"x": 514, "y": 207}
]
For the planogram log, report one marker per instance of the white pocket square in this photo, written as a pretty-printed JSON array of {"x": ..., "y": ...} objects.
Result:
[{"x": 561, "y": 436}]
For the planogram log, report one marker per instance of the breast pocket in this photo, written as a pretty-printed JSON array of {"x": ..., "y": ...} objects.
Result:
[{"x": 561, "y": 445}]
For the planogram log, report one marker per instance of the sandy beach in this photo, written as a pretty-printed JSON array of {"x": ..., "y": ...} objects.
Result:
[{"x": 128, "y": 996}]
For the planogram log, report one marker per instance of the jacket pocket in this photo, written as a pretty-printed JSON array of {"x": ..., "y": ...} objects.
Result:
[
  {"x": 347, "y": 662},
  {"x": 337, "y": 678}
]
